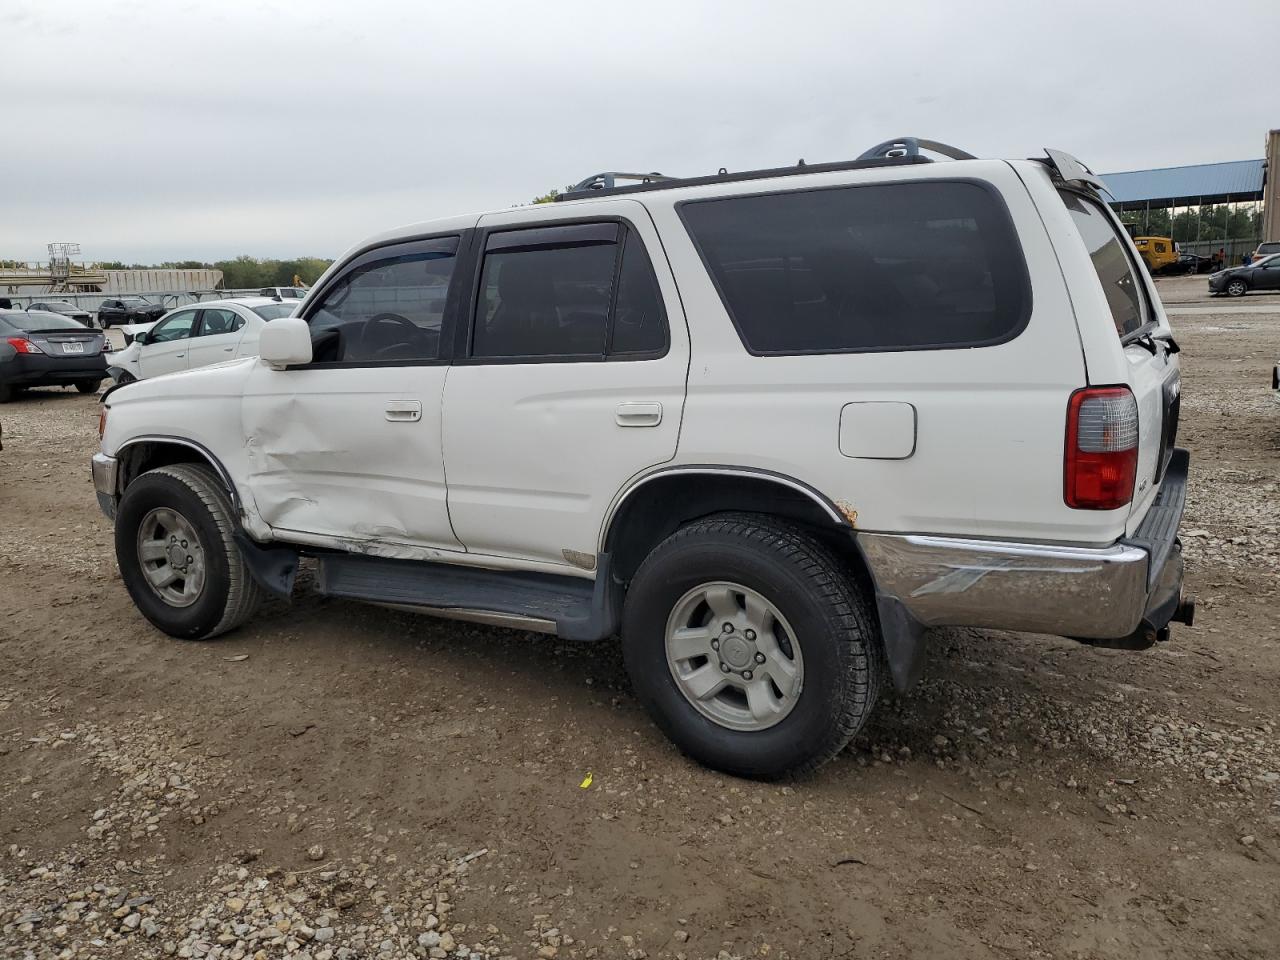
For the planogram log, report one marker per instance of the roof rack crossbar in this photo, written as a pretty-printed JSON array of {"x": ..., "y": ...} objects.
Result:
[
  {"x": 608, "y": 180},
  {"x": 911, "y": 147},
  {"x": 904, "y": 150}
]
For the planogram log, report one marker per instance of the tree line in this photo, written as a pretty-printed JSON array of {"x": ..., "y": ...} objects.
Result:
[
  {"x": 242, "y": 272},
  {"x": 1218, "y": 222}
]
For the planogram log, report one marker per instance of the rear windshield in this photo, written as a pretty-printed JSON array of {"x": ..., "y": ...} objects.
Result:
[
  {"x": 1268, "y": 248},
  {"x": 881, "y": 267},
  {"x": 274, "y": 311},
  {"x": 1111, "y": 262},
  {"x": 27, "y": 322}
]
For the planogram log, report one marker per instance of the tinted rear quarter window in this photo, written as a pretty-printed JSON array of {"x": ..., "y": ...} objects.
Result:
[
  {"x": 867, "y": 268},
  {"x": 1116, "y": 270}
]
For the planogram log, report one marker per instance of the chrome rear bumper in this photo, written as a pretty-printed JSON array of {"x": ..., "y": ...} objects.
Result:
[
  {"x": 1125, "y": 593},
  {"x": 1073, "y": 591}
]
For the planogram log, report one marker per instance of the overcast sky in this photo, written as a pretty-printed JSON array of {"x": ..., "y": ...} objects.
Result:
[{"x": 154, "y": 130}]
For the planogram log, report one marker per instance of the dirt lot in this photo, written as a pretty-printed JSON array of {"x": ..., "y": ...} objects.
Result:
[{"x": 340, "y": 781}]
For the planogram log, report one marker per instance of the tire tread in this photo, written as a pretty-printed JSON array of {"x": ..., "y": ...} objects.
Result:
[
  {"x": 243, "y": 593},
  {"x": 832, "y": 587}
]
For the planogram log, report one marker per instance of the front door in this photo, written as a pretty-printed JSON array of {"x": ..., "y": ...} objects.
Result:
[
  {"x": 167, "y": 344},
  {"x": 347, "y": 449},
  {"x": 571, "y": 382},
  {"x": 216, "y": 338}
]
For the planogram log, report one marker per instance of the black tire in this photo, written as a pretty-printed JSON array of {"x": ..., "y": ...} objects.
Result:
[
  {"x": 230, "y": 595},
  {"x": 88, "y": 386},
  {"x": 125, "y": 377},
  {"x": 1237, "y": 288},
  {"x": 834, "y": 626},
  {"x": 6, "y": 392}
]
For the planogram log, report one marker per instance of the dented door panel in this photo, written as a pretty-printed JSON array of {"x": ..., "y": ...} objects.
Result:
[{"x": 323, "y": 458}]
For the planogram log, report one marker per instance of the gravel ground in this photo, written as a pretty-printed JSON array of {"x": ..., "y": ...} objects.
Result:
[{"x": 340, "y": 781}]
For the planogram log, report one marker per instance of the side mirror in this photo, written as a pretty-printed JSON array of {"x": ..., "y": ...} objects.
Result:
[
  {"x": 285, "y": 343},
  {"x": 143, "y": 338}
]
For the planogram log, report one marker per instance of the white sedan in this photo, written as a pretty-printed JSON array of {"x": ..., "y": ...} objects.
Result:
[{"x": 195, "y": 335}]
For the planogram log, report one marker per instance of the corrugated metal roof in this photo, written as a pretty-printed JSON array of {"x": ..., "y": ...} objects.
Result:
[{"x": 1214, "y": 182}]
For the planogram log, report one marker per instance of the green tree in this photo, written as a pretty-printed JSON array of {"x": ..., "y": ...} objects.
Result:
[{"x": 547, "y": 197}]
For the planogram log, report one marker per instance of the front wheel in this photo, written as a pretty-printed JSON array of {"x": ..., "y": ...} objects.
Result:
[
  {"x": 176, "y": 553},
  {"x": 1237, "y": 288},
  {"x": 751, "y": 646}
]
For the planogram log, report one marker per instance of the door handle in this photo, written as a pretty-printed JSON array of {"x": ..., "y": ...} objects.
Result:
[
  {"x": 227, "y": 349},
  {"x": 404, "y": 411},
  {"x": 638, "y": 414}
]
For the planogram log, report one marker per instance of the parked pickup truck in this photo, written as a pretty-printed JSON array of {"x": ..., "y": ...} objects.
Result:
[{"x": 770, "y": 427}]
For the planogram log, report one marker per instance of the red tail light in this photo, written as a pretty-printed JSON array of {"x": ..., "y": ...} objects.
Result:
[
  {"x": 23, "y": 345},
  {"x": 1102, "y": 448}
]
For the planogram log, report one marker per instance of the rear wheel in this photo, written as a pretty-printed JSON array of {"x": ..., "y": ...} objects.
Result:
[
  {"x": 6, "y": 392},
  {"x": 176, "y": 553},
  {"x": 1237, "y": 288},
  {"x": 88, "y": 386},
  {"x": 751, "y": 647}
]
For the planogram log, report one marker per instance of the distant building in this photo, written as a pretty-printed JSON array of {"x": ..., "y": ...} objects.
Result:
[{"x": 36, "y": 279}]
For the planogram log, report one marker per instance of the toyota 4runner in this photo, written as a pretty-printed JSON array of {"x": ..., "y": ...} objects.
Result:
[{"x": 768, "y": 426}]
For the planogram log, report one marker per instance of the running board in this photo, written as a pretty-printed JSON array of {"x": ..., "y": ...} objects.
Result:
[{"x": 571, "y": 607}]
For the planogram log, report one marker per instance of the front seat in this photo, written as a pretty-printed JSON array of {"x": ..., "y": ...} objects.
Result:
[{"x": 526, "y": 321}]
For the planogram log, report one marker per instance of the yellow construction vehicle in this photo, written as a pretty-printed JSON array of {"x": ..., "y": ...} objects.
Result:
[{"x": 1157, "y": 252}]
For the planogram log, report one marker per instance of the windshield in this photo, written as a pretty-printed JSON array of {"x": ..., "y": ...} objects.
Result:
[
  {"x": 274, "y": 311},
  {"x": 134, "y": 300}
]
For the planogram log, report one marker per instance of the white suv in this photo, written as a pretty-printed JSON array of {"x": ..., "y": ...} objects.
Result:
[{"x": 768, "y": 426}]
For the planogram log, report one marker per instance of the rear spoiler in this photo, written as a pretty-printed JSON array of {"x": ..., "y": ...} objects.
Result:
[{"x": 1072, "y": 171}]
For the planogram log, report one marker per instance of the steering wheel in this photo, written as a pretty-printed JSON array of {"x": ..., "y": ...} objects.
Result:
[{"x": 412, "y": 330}]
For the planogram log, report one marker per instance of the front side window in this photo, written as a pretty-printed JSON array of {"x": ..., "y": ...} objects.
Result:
[
  {"x": 388, "y": 307},
  {"x": 881, "y": 267},
  {"x": 579, "y": 291},
  {"x": 176, "y": 327},
  {"x": 1111, "y": 262}
]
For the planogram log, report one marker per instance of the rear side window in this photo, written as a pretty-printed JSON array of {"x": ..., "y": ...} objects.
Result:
[
  {"x": 215, "y": 322},
  {"x": 1111, "y": 262},
  {"x": 579, "y": 291},
  {"x": 883, "y": 267}
]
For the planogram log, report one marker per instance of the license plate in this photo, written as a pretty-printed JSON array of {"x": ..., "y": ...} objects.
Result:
[{"x": 73, "y": 348}]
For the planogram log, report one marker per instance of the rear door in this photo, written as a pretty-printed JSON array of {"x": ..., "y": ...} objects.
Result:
[
  {"x": 570, "y": 382},
  {"x": 217, "y": 337},
  {"x": 168, "y": 343},
  {"x": 1266, "y": 275}
]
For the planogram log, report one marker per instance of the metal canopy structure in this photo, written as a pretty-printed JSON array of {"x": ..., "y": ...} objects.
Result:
[{"x": 1237, "y": 181}]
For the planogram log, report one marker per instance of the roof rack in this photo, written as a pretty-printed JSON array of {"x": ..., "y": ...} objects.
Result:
[{"x": 903, "y": 150}]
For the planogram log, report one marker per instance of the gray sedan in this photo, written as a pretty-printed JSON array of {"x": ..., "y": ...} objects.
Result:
[{"x": 64, "y": 308}]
